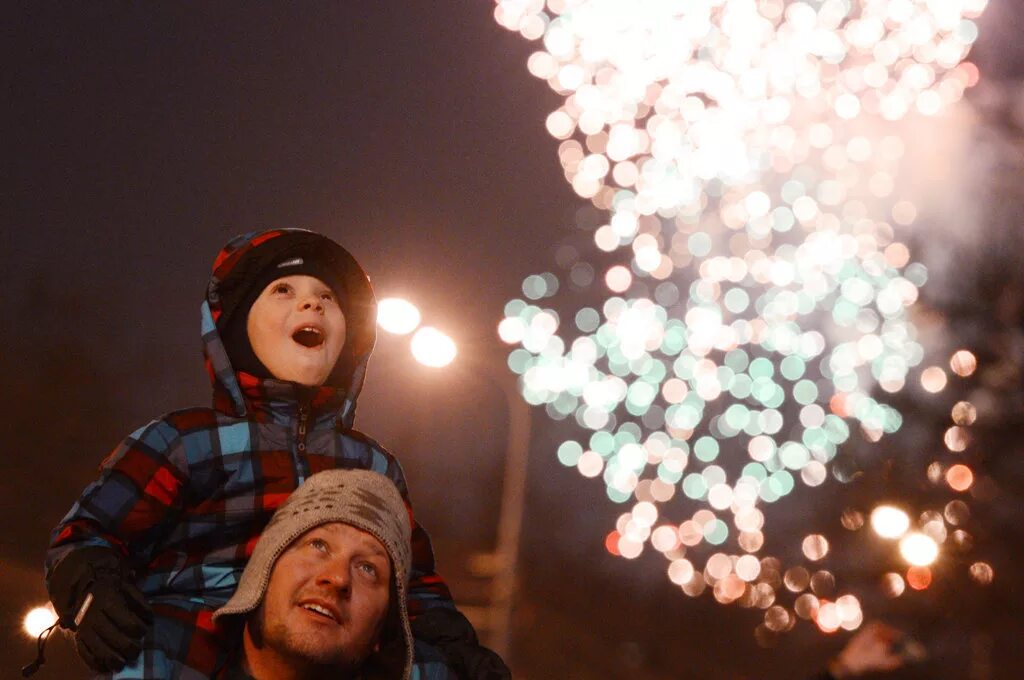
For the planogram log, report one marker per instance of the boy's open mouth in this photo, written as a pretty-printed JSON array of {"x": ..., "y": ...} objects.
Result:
[{"x": 307, "y": 336}]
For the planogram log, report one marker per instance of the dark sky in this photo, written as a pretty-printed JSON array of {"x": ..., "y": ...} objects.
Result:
[{"x": 139, "y": 138}]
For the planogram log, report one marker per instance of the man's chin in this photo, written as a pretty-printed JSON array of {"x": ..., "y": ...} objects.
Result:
[
  {"x": 320, "y": 644},
  {"x": 311, "y": 650}
]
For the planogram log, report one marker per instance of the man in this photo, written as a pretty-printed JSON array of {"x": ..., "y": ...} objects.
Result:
[{"x": 324, "y": 594}]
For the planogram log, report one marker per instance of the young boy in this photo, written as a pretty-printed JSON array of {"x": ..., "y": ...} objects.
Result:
[{"x": 160, "y": 540}]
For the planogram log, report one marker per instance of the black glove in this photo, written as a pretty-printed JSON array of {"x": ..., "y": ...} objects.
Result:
[
  {"x": 453, "y": 635},
  {"x": 109, "y": 629}
]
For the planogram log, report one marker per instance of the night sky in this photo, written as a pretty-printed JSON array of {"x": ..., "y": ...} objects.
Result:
[{"x": 140, "y": 138}]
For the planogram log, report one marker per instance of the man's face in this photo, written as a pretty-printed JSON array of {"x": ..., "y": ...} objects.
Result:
[
  {"x": 297, "y": 330},
  {"x": 327, "y": 598}
]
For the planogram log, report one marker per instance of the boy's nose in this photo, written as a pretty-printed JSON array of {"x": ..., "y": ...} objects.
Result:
[{"x": 312, "y": 302}]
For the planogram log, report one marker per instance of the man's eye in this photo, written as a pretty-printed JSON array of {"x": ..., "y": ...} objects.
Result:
[{"x": 368, "y": 569}]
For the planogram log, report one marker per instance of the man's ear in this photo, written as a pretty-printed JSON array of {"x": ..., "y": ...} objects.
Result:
[
  {"x": 254, "y": 626},
  {"x": 391, "y": 626}
]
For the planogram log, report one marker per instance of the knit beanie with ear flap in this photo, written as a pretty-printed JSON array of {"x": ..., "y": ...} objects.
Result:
[
  {"x": 287, "y": 252},
  {"x": 365, "y": 500}
]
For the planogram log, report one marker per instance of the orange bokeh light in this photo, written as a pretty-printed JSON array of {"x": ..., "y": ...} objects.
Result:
[
  {"x": 919, "y": 578},
  {"x": 838, "y": 404},
  {"x": 971, "y": 72},
  {"x": 959, "y": 477},
  {"x": 611, "y": 543}
]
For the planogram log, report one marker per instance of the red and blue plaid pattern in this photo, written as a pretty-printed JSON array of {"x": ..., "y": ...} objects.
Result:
[{"x": 185, "y": 498}]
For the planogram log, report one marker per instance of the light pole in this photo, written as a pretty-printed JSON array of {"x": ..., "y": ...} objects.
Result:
[
  {"x": 432, "y": 348},
  {"x": 505, "y": 563},
  {"x": 513, "y": 500}
]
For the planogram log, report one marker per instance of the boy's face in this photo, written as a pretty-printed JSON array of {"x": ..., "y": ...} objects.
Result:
[{"x": 297, "y": 330}]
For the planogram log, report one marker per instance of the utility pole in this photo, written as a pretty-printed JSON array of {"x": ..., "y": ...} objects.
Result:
[{"x": 510, "y": 518}]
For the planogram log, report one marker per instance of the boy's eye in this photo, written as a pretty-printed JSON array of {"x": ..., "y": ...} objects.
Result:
[
  {"x": 369, "y": 569},
  {"x": 281, "y": 288},
  {"x": 318, "y": 544},
  {"x": 327, "y": 296}
]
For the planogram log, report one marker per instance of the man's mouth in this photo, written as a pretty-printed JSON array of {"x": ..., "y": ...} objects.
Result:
[
  {"x": 309, "y": 336},
  {"x": 320, "y": 610}
]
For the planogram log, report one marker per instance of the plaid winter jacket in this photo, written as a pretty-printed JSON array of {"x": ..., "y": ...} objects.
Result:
[{"x": 185, "y": 498}]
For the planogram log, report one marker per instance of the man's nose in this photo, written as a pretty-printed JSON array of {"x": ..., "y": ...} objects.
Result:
[{"x": 335, "y": 576}]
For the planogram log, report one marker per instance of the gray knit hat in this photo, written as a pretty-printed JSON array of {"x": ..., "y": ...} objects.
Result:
[{"x": 365, "y": 500}]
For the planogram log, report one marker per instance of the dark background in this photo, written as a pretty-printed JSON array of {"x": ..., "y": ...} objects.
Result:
[{"x": 139, "y": 138}]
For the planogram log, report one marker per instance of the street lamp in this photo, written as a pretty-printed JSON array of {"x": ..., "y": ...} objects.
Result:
[
  {"x": 397, "y": 316},
  {"x": 433, "y": 348},
  {"x": 429, "y": 346}
]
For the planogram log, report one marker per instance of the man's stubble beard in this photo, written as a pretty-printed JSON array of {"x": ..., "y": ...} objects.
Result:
[{"x": 337, "y": 663}]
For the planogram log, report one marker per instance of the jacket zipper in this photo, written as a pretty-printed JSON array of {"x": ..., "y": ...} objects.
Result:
[{"x": 300, "y": 453}]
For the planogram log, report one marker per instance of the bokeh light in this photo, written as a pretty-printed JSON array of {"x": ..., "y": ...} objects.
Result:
[
  {"x": 852, "y": 519},
  {"x": 959, "y": 477},
  {"x": 397, "y": 316},
  {"x": 828, "y": 618},
  {"x": 982, "y": 573},
  {"x": 889, "y": 521},
  {"x": 956, "y": 439},
  {"x": 893, "y": 584},
  {"x": 433, "y": 348},
  {"x": 964, "y": 413},
  {"x": 919, "y": 578},
  {"x": 39, "y": 619},
  {"x": 745, "y": 313},
  {"x": 956, "y": 512},
  {"x": 806, "y": 606},
  {"x": 797, "y": 579},
  {"x": 963, "y": 363},
  {"x": 815, "y": 547},
  {"x": 823, "y": 583},
  {"x": 933, "y": 379},
  {"x": 919, "y": 549}
]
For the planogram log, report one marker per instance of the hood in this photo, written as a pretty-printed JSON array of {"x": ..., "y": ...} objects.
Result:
[{"x": 248, "y": 254}]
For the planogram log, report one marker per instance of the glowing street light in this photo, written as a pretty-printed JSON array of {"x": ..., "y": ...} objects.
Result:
[
  {"x": 397, "y": 316},
  {"x": 918, "y": 549},
  {"x": 433, "y": 348},
  {"x": 39, "y": 619},
  {"x": 889, "y": 521}
]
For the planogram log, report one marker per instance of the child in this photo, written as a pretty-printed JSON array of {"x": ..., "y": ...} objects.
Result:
[{"x": 150, "y": 549}]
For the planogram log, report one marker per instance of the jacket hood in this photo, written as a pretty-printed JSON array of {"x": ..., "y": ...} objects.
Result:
[{"x": 244, "y": 257}]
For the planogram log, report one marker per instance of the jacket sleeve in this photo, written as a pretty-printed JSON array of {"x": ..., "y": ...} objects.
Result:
[
  {"x": 133, "y": 503},
  {"x": 426, "y": 588}
]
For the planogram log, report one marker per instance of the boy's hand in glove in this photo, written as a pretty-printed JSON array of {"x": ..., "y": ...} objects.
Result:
[{"x": 94, "y": 597}]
